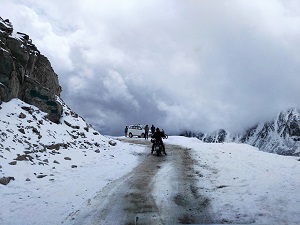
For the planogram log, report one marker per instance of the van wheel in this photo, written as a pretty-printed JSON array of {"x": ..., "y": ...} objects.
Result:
[
  {"x": 143, "y": 135},
  {"x": 130, "y": 135}
]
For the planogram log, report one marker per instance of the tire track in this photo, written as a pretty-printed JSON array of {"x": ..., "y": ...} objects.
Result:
[{"x": 132, "y": 200}]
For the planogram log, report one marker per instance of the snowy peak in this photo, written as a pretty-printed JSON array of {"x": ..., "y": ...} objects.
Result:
[
  {"x": 218, "y": 136},
  {"x": 280, "y": 135},
  {"x": 288, "y": 124}
]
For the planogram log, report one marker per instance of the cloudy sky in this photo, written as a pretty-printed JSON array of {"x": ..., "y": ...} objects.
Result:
[{"x": 178, "y": 64}]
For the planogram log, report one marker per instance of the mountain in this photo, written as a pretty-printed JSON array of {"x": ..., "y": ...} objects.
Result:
[
  {"x": 38, "y": 131},
  {"x": 26, "y": 74},
  {"x": 280, "y": 135}
]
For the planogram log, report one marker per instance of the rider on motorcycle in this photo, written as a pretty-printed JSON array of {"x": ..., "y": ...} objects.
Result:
[{"x": 158, "y": 135}]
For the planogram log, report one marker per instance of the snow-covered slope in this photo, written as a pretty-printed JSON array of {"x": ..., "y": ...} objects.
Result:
[
  {"x": 244, "y": 185},
  {"x": 49, "y": 170},
  {"x": 33, "y": 145}
]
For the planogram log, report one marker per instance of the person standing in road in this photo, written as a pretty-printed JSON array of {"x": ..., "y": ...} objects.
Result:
[
  {"x": 126, "y": 131},
  {"x": 146, "y": 132}
]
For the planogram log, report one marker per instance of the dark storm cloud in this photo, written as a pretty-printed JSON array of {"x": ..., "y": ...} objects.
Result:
[{"x": 199, "y": 65}]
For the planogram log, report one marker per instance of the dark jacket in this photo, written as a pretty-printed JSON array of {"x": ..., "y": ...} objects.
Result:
[
  {"x": 152, "y": 129},
  {"x": 158, "y": 135}
]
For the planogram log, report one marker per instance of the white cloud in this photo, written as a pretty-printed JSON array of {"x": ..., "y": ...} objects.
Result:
[
  {"x": 207, "y": 64},
  {"x": 116, "y": 89}
]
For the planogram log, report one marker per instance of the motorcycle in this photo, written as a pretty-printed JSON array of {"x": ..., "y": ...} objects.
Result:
[{"x": 158, "y": 147}]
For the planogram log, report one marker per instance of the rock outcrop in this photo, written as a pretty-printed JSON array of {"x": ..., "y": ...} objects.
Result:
[{"x": 27, "y": 74}]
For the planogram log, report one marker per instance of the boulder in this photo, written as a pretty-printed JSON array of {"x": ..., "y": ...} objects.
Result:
[
  {"x": 112, "y": 143},
  {"x": 6, "y": 180}
]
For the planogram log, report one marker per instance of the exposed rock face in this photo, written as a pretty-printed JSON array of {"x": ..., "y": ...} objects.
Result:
[
  {"x": 218, "y": 136},
  {"x": 26, "y": 74},
  {"x": 281, "y": 135}
]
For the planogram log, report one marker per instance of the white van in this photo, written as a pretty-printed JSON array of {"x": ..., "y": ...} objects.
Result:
[{"x": 136, "y": 130}]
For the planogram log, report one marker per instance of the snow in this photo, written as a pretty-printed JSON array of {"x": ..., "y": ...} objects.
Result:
[
  {"x": 51, "y": 199},
  {"x": 4, "y": 50},
  {"x": 244, "y": 185},
  {"x": 247, "y": 185}
]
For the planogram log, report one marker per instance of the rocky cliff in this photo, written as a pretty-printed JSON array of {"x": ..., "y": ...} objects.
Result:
[
  {"x": 27, "y": 74},
  {"x": 29, "y": 104}
]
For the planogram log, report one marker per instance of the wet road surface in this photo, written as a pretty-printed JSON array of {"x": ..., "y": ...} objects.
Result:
[{"x": 160, "y": 190}]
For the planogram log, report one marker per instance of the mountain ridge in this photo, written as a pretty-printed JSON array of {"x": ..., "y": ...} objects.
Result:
[{"x": 281, "y": 135}]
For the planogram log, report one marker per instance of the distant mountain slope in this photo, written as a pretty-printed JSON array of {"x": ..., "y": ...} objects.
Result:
[{"x": 280, "y": 135}]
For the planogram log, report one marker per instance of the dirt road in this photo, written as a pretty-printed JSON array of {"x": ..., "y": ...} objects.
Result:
[{"x": 160, "y": 190}]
